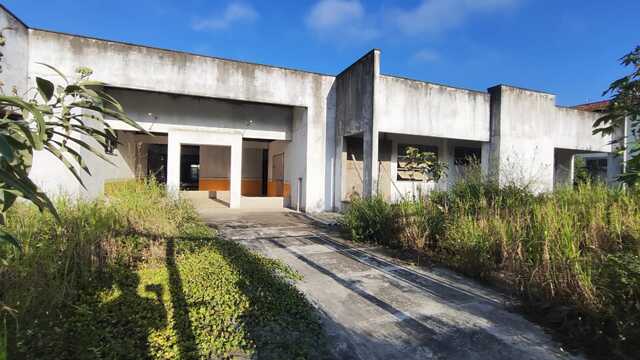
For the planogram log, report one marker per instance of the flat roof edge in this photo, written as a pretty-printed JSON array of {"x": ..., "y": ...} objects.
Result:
[
  {"x": 435, "y": 83},
  {"x": 180, "y": 52},
  {"x": 14, "y": 16},
  {"x": 523, "y": 88}
]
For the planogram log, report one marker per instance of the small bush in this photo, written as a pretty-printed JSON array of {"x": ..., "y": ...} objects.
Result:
[
  {"x": 370, "y": 220},
  {"x": 618, "y": 280}
]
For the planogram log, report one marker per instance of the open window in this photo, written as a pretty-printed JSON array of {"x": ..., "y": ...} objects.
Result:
[
  {"x": 465, "y": 156},
  {"x": 405, "y": 173}
]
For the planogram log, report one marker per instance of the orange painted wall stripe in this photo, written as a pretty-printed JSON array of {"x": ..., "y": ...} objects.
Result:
[
  {"x": 249, "y": 187},
  {"x": 273, "y": 188}
]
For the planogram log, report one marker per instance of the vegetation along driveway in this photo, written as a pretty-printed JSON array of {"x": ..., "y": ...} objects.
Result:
[{"x": 372, "y": 307}]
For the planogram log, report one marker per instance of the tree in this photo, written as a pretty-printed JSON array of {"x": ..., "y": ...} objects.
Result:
[
  {"x": 54, "y": 119},
  {"x": 424, "y": 165},
  {"x": 625, "y": 104}
]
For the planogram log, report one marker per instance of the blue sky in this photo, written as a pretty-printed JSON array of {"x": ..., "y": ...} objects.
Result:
[{"x": 567, "y": 47}]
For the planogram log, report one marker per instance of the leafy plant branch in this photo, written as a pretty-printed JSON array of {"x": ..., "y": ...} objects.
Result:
[
  {"x": 58, "y": 119},
  {"x": 625, "y": 104}
]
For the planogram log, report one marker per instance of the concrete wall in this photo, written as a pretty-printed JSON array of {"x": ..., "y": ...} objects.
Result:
[
  {"x": 15, "y": 53},
  {"x": 215, "y": 161},
  {"x": 159, "y": 112},
  {"x": 131, "y": 157},
  {"x": 420, "y": 108},
  {"x": 355, "y": 90},
  {"x": 527, "y": 127},
  {"x": 400, "y": 189},
  {"x": 143, "y": 68},
  {"x": 283, "y": 147},
  {"x": 524, "y": 127},
  {"x": 563, "y": 167},
  {"x": 352, "y": 171},
  {"x": 354, "y": 95}
]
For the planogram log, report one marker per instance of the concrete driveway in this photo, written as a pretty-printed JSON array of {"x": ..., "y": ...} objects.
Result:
[{"x": 376, "y": 308}]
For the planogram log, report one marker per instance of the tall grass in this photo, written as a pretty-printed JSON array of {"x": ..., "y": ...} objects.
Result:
[
  {"x": 60, "y": 261},
  {"x": 575, "y": 250},
  {"x": 136, "y": 275}
]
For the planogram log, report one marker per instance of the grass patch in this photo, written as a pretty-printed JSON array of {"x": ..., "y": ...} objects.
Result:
[
  {"x": 572, "y": 255},
  {"x": 136, "y": 275}
]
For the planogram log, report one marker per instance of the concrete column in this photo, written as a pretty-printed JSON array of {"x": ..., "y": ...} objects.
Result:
[
  {"x": 338, "y": 172},
  {"x": 396, "y": 195},
  {"x": 235, "y": 194},
  {"x": 485, "y": 159},
  {"x": 449, "y": 175},
  {"x": 572, "y": 170},
  {"x": 173, "y": 163},
  {"x": 614, "y": 167},
  {"x": 370, "y": 163}
]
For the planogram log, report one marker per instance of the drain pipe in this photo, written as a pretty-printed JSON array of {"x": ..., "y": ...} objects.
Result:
[{"x": 299, "y": 194}]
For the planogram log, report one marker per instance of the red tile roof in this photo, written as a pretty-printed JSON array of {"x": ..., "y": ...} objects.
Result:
[{"x": 597, "y": 106}]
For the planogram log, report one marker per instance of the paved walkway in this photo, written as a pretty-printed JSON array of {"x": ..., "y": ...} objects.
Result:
[{"x": 375, "y": 308}]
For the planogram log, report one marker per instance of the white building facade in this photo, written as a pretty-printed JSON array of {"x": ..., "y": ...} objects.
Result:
[{"x": 248, "y": 130}]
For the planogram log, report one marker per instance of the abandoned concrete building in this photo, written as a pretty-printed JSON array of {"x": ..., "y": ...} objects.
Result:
[{"x": 247, "y": 132}]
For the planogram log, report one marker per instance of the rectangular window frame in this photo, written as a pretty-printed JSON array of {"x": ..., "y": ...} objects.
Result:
[{"x": 402, "y": 174}]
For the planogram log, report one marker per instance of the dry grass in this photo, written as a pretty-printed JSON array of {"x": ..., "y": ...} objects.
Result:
[{"x": 572, "y": 254}]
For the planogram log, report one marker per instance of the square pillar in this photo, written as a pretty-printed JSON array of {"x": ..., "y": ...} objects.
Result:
[
  {"x": 235, "y": 188},
  {"x": 339, "y": 164},
  {"x": 572, "y": 169},
  {"x": 219, "y": 137},
  {"x": 485, "y": 159},
  {"x": 370, "y": 163},
  {"x": 173, "y": 163}
]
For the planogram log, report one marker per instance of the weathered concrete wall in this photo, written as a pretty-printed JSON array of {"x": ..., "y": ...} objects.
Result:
[
  {"x": 352, "y": 159},
  {"x": 130, "y": 159},
  {"x": 15, "y": 53},
  {"x": 563, "y": 167},
  {"x": 420, "y": 108},
  {"x": 290, "y": 180},
  {"x": 528, "y": 127},
  {"x": 215, "y": 161},
  {"x": 354, "y": 96},
  {"x": 355, "y": 101},
  {"x": 316, "y": 112},
  {"x": 301, "y": 169},
  {"x": 384, "y": 182},
  {"x": 138, "y": 67}
]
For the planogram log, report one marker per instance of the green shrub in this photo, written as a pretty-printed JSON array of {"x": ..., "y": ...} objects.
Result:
[
  {"x": 370, "y": 219},
  {"x": 618, "y": 280},
  {"x": 136, "y": 275}
]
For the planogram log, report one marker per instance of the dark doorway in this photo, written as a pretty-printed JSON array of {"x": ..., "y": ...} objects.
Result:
[
  {"x": 265, "y": 171},
  {"x": 157, "y": 162},
  {"x": 189, "y": 167}
]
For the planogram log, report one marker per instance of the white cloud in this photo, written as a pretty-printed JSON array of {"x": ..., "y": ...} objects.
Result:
[
  {"x": 235, "y": 12},
  {"x": 345, "y": 18},
  {"x": 435, "y": 16},
  {"x": 425, "y": 55}
]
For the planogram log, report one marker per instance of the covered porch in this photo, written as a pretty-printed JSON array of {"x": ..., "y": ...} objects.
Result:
[
  {"x": 236, "y": 153},
  {"x": 218, "y": 165},
  {"x": 391, "y": 179}
]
